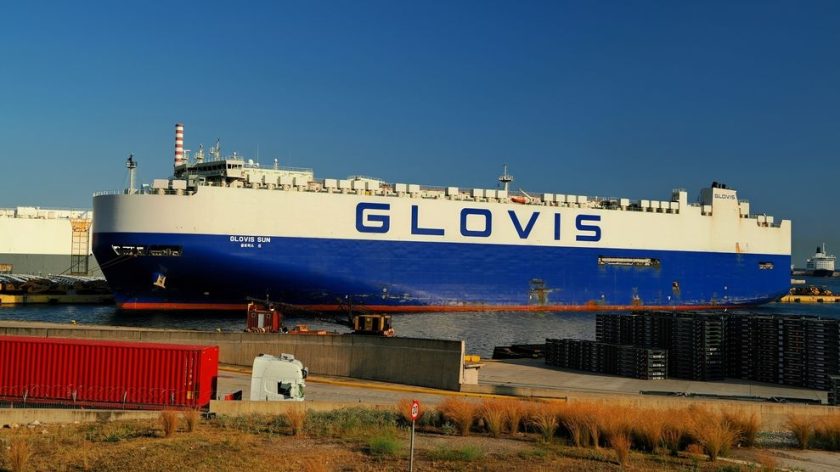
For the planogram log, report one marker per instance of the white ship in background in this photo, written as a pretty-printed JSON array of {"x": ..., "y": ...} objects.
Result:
[
  {"x": 821, "y": 264},
  {"x": 41, "y": 241}
]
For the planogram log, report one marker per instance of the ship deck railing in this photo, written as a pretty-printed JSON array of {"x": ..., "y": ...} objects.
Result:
[{"x": 363, "y": 185}]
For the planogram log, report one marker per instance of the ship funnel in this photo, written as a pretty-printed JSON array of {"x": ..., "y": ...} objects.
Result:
[{"x": 179, "y": 144}]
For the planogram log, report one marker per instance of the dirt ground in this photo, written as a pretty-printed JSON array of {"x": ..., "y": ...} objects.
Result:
[{"x": 141, "y": 446}]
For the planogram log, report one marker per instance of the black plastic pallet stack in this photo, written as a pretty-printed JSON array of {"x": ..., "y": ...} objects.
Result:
[
  {"x": 792, "y": 363},
  {"x": 696, "y": 347},
  {"x": 752, "y": 347},
  {"x": 799, "y": 351},
  {"x": 642, "y": 363},
  {"x": 764, "y": 349},
  {"x": 834, "y": 389},
  {"x": 739, "y": 348},
  {"x": 553, "y": 354},
  {"x": 605, "y": 358},
  {"x": 653, "y": 330},
  {"x": 608, "y": 328},
  {"x": 822, "y": 352}
]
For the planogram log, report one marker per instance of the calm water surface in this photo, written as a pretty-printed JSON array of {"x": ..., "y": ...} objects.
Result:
[{"x": 481, "y": 331}]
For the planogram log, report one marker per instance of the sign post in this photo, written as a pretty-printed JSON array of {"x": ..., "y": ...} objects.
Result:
[{"x": 415, "y": 412}]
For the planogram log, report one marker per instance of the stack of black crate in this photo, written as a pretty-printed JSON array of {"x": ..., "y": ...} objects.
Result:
[
  {"x": 608, "y": 328},
  {"x": 822, "y": 352},
  {"x": 607, "y": 358},
  {"x": 653, "y": 330},
  {"x": 791, "y": 344},
  {"x": 696, "y": 347},
  {"x": 752, "y": 347},
  {"x": 834, "y": 389},
  {"x": 555, "y": 350},
  {"x": 764, "y": 348},
  {"x": 739, "y": 348},
  {"x": 641, "y": 363},
  {"x": 798, "y": 351}
]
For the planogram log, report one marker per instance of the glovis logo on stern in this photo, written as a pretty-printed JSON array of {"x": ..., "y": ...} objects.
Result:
[{"x": 476, "y": 222}]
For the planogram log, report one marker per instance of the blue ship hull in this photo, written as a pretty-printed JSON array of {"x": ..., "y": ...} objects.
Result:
[{"x": 397, "y": 276}]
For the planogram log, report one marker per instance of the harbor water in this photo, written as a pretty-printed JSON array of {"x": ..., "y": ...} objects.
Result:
[{"x": 481, "y": 331}]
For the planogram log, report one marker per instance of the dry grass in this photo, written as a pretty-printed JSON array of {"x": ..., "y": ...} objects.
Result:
[
  {"x": 766, "y": 461},
  {"x": 620, "y": 443},
  {"x": 297, "y": 419},
  {"x": 801, "y": 428},
  {"x": 226, "y": 443},
  {"x": 19, "y": 454},
  {"x": 594, "y": 419},
  {"x": 460, "y": 412},
  {"x": 585, "y": 422},
  {"x": 695, "y": 449},
  {"x": 576, "y": 429},
  {"x": 169, "y": 422},
  {"x": 647, "y": 429},
  {"x": 545, "y": 420},
  {"x": 676, "y": 429},
  {"x": 315, "y": 464},
  {"x": 514, "y": 411},
  {"x": 672, "y": 438},
  {"x": 494, "y": 413},
  {"x": 745, "y": 424},
  {"x": 827, "y": 432},
  {"x": 191, "y": 417},
  {"x": 714, "y": 434}
]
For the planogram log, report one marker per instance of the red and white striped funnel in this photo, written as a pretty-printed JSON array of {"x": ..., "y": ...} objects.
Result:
[{"x": 179, "y": 144}]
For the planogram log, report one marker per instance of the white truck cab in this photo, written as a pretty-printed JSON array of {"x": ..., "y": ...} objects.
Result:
[{"x": 277, "y": 378}]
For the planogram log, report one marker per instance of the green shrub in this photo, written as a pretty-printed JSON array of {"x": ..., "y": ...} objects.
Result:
[
  {"x": 384, "y": 445},
  {"x": 465, "y": 454},
  {"x": 348, "y": 421}
]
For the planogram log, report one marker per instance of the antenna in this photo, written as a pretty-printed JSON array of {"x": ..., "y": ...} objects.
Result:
[
  {"x": 132, "y": 166},
  {"x": 505, "y": 179}
]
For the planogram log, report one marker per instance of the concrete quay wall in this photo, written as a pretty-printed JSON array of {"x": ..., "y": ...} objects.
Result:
[{"x": 421, "y": 362}]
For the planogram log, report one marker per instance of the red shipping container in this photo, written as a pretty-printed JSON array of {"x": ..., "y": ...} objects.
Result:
[{"x": 107, "y": 374}]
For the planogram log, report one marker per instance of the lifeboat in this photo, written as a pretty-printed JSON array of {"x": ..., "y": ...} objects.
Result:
[{"x": 519, "y": 199}]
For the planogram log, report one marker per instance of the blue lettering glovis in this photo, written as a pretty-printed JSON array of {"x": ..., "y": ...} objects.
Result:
[
  {"x": 476, "y": 223},
  {"x": 368, "y": 222}
]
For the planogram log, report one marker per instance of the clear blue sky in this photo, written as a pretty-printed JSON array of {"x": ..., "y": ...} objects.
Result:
[{"x": 588, "y": 97}]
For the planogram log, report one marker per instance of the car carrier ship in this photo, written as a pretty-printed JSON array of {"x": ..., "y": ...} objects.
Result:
[
  {"x": 223, "y": 229},
  {"x": 41, "y": 241}
]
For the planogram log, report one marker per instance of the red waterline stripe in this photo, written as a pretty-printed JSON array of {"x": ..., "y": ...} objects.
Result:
[
  {"x": 429, "y": 308},
  {"x": 139, "y": 306}
]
